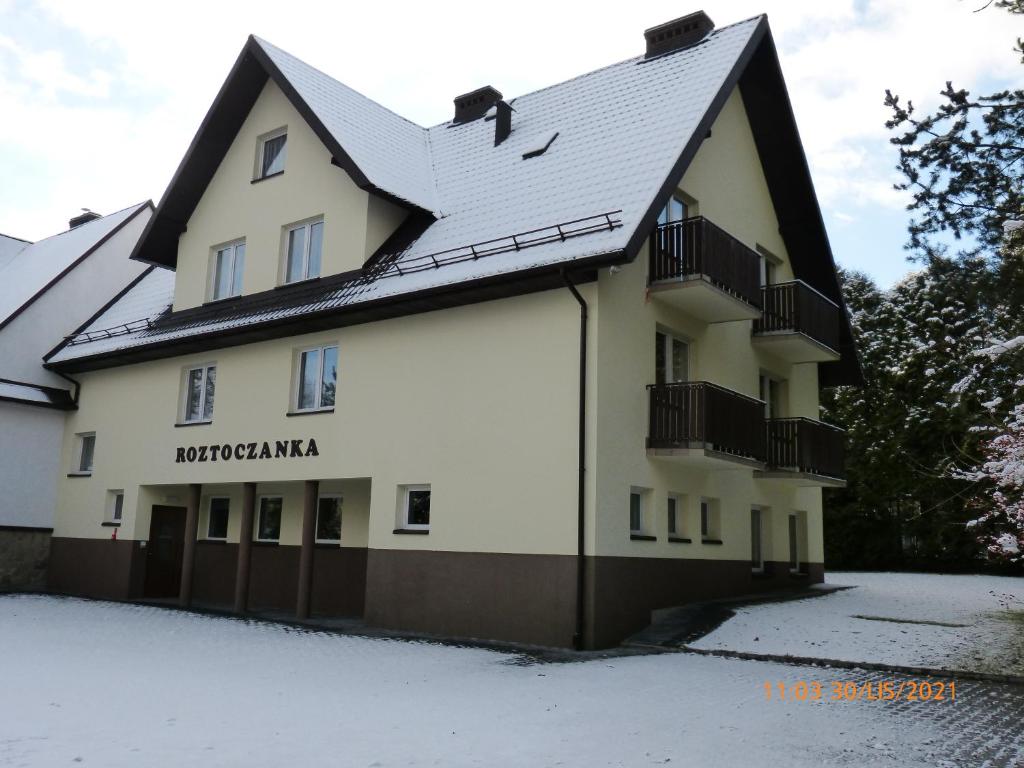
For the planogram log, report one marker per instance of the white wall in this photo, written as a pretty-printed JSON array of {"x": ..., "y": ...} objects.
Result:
[{"x": 30, "y": 439}]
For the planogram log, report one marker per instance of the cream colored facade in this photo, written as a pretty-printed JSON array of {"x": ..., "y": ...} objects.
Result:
[{"x": 479, "y": 402}]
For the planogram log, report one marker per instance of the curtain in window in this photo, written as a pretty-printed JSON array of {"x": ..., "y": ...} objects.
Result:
[{"x": 273, "y": 155}]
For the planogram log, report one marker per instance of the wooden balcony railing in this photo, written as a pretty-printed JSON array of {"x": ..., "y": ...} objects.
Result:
[
  {"x": 796, "y": 307},
  {"x": 804, "y": 445},
  {"x": 701, "y": 415},
  {"x": 697, "y": 248}
]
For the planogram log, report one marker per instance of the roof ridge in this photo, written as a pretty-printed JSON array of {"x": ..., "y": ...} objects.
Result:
[
  {"x": 19, "y": 239},
  {"x": 104, "y": 216},
  {"x": 305, "y": 63},
  {"x": 582, "y": 75}
]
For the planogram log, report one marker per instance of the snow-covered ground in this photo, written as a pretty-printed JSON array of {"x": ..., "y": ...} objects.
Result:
[
  {"x": 110, "y": 685},
  {"x": 915, "y": 619}
]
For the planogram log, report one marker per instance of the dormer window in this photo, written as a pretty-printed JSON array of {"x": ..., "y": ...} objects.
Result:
[{"x": 271, "y": 153}]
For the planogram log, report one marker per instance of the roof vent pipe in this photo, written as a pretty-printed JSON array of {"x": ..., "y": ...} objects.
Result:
[
  {"x": 83, "y": 218},
  {"x": 679, "y": 33},
  {"x": 470, "y": 106},
  {"x": 502, "y": 121}
]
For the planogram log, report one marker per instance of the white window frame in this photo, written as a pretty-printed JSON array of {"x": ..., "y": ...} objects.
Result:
[
  {"x": 183, "y": 404},
  {"x": 764, "y": 385},
  {"x": 113, "y": 515},
  {"x": 680, "y": 515},
  {"x": 261, "y": 143},
  {"x": 761, "y": 515},
  {"x": 403, "y": 507},
  {"x": 80, "y": 439},
  {"x": 209, "y": 517},
  {"x": 768, "y": 262},
  {"x": 316, "y": 522},
  {"x": 259, "y": 511},
  {"x": 663, "y": 214},
  {"x": 308, "y": 227},
  {"x": 297, "y": 379},
  {"x": 211, "y": 290},
  {"x": 671, "y": 336}
]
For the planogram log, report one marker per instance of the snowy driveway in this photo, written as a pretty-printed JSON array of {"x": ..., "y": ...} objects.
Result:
[
  {"x": 92, "y": 683},
  {"x": 910, "y": 619}
]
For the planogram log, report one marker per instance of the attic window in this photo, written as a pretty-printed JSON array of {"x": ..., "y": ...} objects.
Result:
[
  {"x": 270, "y": 153},
  {"x": 539, "y": 144}
]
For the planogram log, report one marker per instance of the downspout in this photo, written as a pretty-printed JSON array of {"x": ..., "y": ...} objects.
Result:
[
  {"x": 78, "y": 385},
  {"x": 581, "y": 489}
]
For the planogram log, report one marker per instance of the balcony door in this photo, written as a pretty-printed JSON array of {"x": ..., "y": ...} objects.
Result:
[
  {"x": 771, "y": 394},
  {"x": 671, "y": 359},
  {"x": 673, "y": 212}
]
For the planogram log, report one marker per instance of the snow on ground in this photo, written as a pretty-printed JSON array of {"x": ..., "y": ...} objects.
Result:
[
  {"x": 973, "y": 623},
  {"x": 109, "y": 684}
]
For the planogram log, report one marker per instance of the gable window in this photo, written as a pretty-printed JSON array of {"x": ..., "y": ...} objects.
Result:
[
  {"x": 217, "y": 518},
  {"x": 272, "y": 153},
  {"x": 304, "y": 246},
  {"x": 268, "y": 526},
  {"x": 674, "y": 211},
  {"x": 200, "y": 383},
  {"x": 414, "y": 512},
  {"x": 328, "y": 519},
  {"x": 84, "y": 449},
  {"x": 316, "y": 378},
  {"x": 228, "y": 268},
  {"x": 671, "y": 359}
]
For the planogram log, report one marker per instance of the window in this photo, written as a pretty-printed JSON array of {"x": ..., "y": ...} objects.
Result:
[
  {"x": 796, "y": 533},
  {"x": 268, "y": 527},
  {"x": 328, "y": 519},
  {"x": 636, "y": 511},
  {"x": 771, "y": 394},
  {"x": 217, "y": 519},
  {"x": 671, "y": 359},
  {"x": 84, "y": 454},
  {"x": 674, "y": 514},
  {"x": 228, "y": 267},
  {"x": 317, "y": 379},
  {"x": 756, "y": 542},
  {"x": 674, "y": 210},
  {"x": 769, "y": 266},
  {"x": 200, "y": 383},
  {"x": 303, "y": 248},
  {"x": 115, "y": 506},
  {"x": 709, "y": 523},
  {"x": 271, "y": 153},
  {"x": 415, "y": 514}
]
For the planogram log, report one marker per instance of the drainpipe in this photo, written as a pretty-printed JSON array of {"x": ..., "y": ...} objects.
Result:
[
  {"x": 78, "y": 386},
  {"x": 581, "y": 490}
]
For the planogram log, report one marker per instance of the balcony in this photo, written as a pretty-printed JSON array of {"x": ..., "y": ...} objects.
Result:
[
  {"x": 805, "y": 453},
  {"x": 705, "y": 425},
  {"x": 799, "y": 325},
  {"x": 704, "y": 271}
]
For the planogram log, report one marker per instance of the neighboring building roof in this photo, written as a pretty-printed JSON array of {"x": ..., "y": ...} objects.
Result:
[
  {"x": 625, "y": 135},
  {"x": 27, "y": 273},
  {"x": 34, "y": 394}
]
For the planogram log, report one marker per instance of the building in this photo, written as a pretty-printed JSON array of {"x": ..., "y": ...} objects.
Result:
[
  {"x": 47, "y": 289},
  {"x": 526, "y": 375}
]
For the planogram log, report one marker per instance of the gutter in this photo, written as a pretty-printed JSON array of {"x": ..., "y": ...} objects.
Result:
[
  {"x": 581, "y": 573},
  {"x": 78, "y": 385}
]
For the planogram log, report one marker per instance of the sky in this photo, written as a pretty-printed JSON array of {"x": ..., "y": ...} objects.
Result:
[{"x": 100, "y": 99}]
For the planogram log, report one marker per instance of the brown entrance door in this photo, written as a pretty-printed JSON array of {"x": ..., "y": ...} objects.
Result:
[{"x": 164, "y": 551}]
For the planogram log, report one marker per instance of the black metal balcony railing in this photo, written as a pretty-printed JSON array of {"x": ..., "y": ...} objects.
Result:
[
  {"x": 697, "y": 248},
  {"x": 796, "y": 307},
  {"x": 804, "y": 445},
  {"x": 701, "y": 415}
]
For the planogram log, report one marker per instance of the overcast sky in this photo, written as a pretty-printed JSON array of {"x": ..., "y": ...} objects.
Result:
[{"x": 100, "y": 99}]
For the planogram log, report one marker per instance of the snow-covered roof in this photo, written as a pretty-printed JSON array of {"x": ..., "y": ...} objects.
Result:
[
  {"x": 26, "y": 272},
  {"x": 621, "y": 133},
  {"x": 10, "y": 247}
]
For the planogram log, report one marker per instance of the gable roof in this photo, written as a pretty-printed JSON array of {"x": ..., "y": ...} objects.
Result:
[
  {"x": 11, "y": 247},
  {"x": 625, "y": 135},
  {"x": 28, "y": 272}
]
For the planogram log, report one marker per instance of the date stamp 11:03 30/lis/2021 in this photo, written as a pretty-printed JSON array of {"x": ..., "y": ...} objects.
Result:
[{"x": 871, "y": 690}]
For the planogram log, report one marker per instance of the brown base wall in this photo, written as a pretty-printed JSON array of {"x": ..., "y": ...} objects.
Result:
[
  {"x": 24, "y": 553},
  {"x": 103, "y": 568},
  {"x": 517, "y": 598},
  {"x": 624, "y": 591}
]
